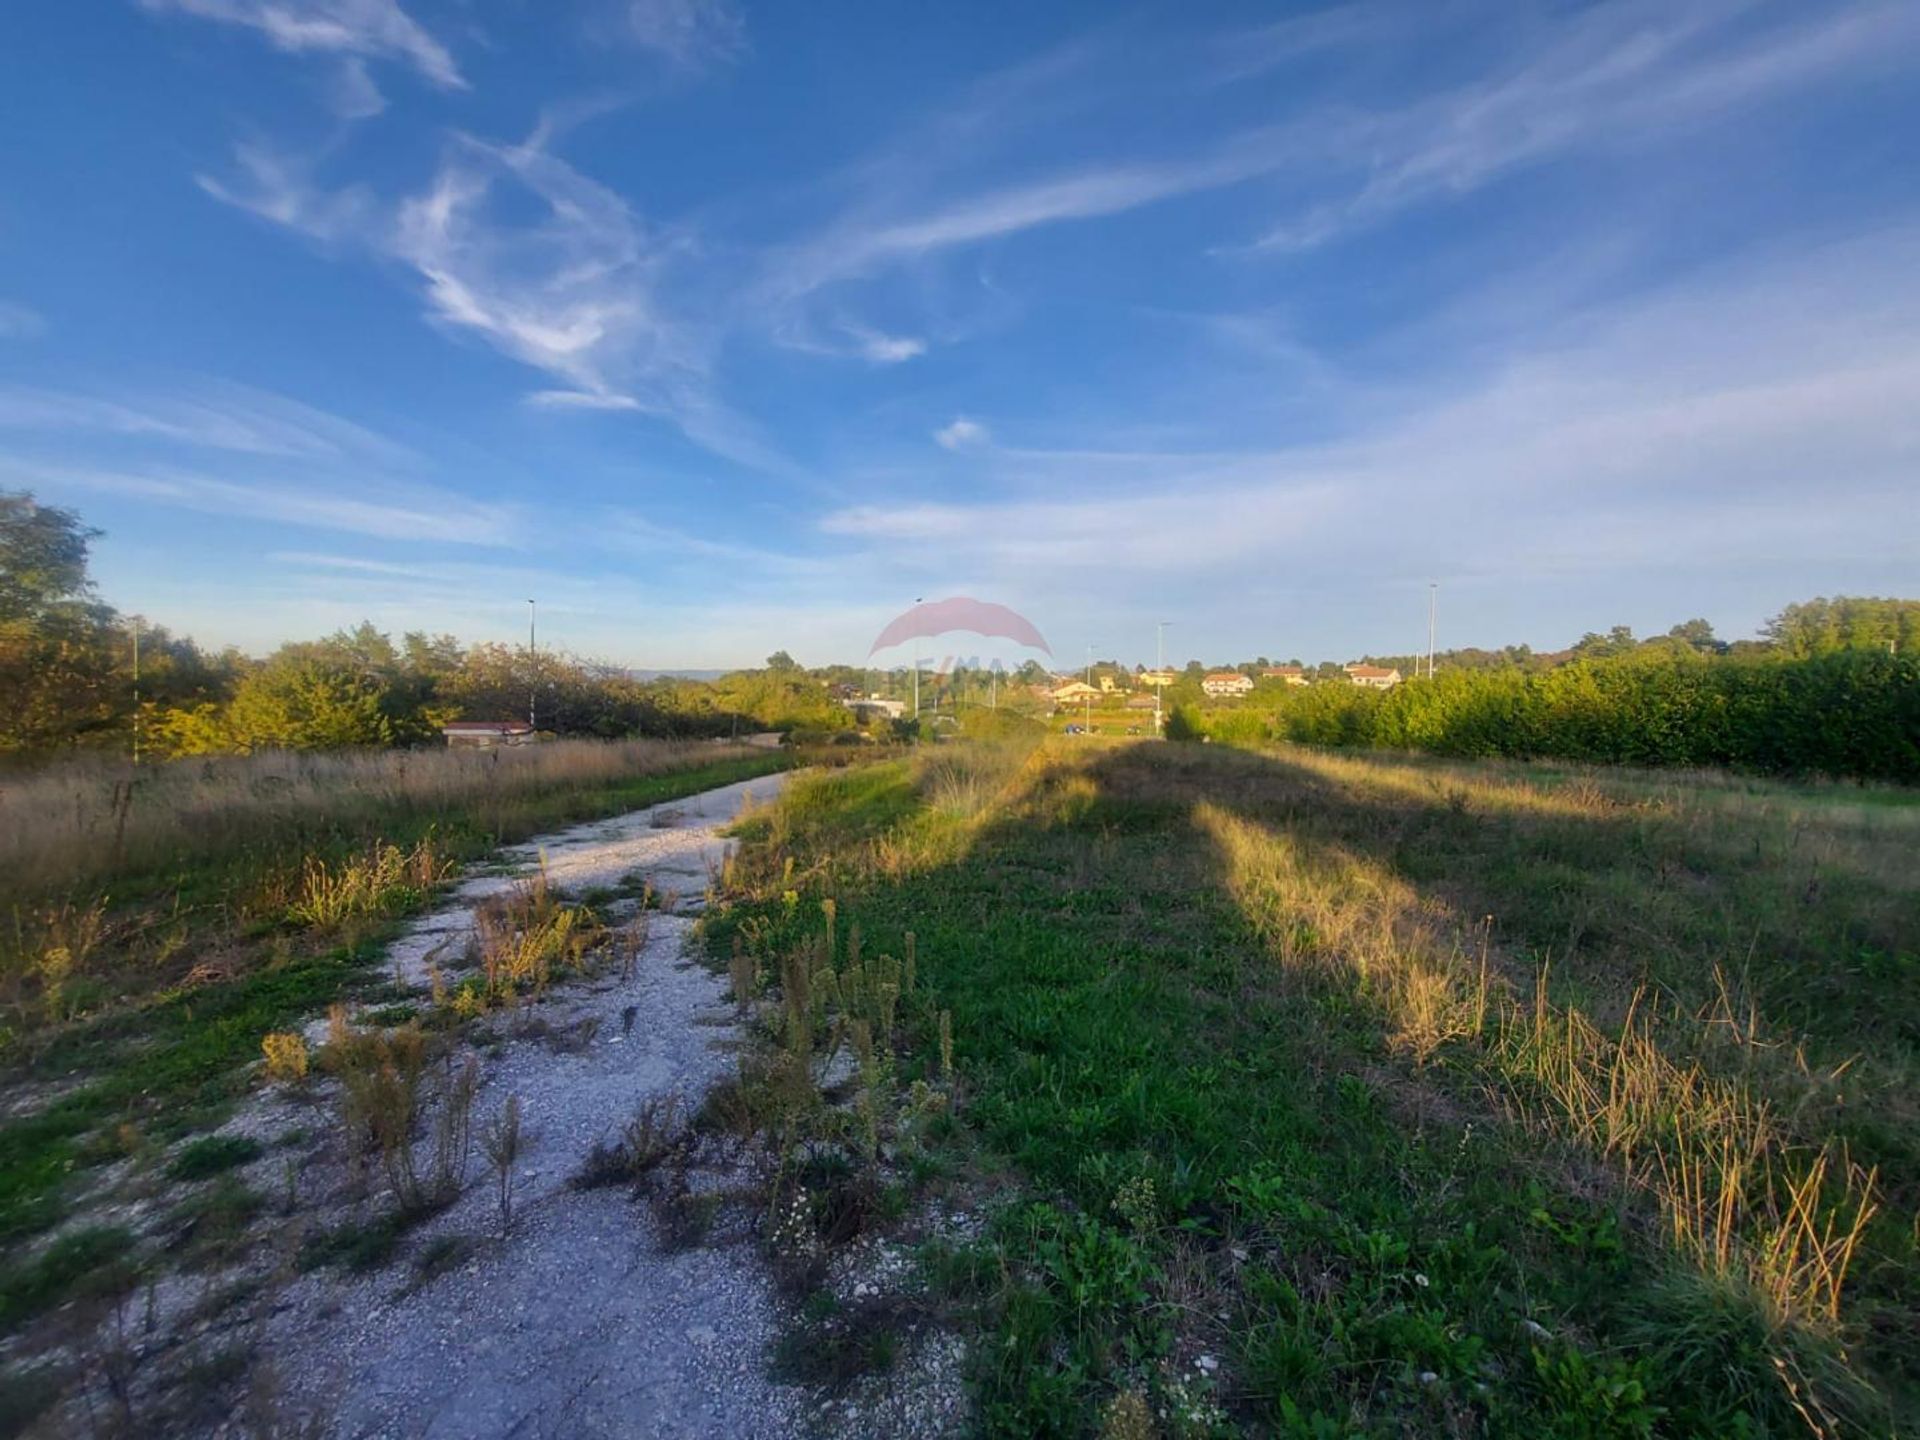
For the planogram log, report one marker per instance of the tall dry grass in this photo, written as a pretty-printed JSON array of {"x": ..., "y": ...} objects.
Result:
[
  {"x": 1740, "y": 1194},
  {"x": 78, "y": 824}
]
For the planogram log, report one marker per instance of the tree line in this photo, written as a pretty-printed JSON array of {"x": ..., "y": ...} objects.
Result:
[{"x": 68, "y": 669}]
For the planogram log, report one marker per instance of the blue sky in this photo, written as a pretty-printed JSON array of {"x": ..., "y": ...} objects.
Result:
[{"x": 722, "y": 327}]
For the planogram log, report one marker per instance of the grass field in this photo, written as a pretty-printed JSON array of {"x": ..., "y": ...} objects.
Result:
[
  {"x": 1321, "y": 1095},
  {"x": 149, "y": 946}
]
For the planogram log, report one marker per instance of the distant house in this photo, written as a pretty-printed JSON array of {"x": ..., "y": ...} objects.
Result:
[
  {"x": 1292, "y": 674},
  {"x": 1141, "y": 702},
  {"x": 1373, "y": 676},
  {"x": 485, "y": 734},
  {"x": 1159, "y": 677},
  {"x": 872, "y": 707},
  {"x": 1106, "y": 685},
  {"x": 1227, "y": 682},
  {"x": 1074, "y": 692}
]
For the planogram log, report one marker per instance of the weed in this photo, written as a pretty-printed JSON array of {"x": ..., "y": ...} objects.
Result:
[
  {"x": 655, "y": 1132},
  {"x": 441, "y": 1256},
  {"x": 356, "y": 1245},
  {"x": 286, "y": 1057},
  {"x": 383, "y": 880},
  {"x": 90, "y": 1263},
  {"x": 523, "y": 934},
  {"x": 212, "y": 1155},
  {"x": 501, "y": 1139}
]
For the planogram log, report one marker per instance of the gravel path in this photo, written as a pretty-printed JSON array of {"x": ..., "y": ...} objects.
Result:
[{"x": 580, "y": 1322}]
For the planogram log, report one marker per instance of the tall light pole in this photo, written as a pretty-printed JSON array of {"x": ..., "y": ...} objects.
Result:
[
  {"x": 136, "y": 689},
  {"x": 1433, "y": 605},
  {"x": 1159, "y": 669},
  {"x": 533, "y": 668},
  {"x": 1089, "y": 684},
  {"x": 916, "y": 676}
]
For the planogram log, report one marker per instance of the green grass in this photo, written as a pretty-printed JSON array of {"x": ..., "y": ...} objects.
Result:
[
  {"x": 1227, "y": 1151},
  {"x": 172, "y": 1061},
  {"x": 212, "y": 1155},
  {"x": 92, "y": 1262}
]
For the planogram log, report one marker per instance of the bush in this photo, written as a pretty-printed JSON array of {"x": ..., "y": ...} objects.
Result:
[
  {"x": 1851, "y": 713},
  {"x": 1183, "y": 724}
]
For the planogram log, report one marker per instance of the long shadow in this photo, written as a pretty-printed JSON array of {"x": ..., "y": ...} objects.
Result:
[
  {"x": 1608, "y": 895},
  {"x": 1575, "y": 882},
  {"x": 1120, "y": 1018}
]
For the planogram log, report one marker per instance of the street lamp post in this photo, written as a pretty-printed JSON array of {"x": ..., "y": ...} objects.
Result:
[
  {"x": 136, "y": 689},
  {"x": 1159, "y": 669},
  {"x": 1089, "y": 684},
  {"x": 1433, "y": 605},
  {"x": 916, "y": 676},
  {"x": 533, "y": 669}
]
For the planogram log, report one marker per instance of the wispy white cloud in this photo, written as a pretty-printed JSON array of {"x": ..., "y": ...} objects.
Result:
[
  {"x": 1687, "y": 427},
  {"x": 281, "y": 188},
  {"x": 1619, "y": 77},
  {"x": 515, "y": 246},
  {"x": 17, "y": 322},
  {"x": 213, "y": 415},
  {"x": 884, "y": 349},
  {"x": 396, "y": 513},
  {"x": 372, "y": 29},
  {"x": 961, "y": 434},
  {"x": 692, "y": 34},
  {"x": 352, "y": 92},
  {"x": 581, "y": 400}
]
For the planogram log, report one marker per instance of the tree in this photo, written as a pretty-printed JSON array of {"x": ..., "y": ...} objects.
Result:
[
  {"x": 1617, "y": 641},
  {"x": 1697, "y": 635},
  {"x": 43, "y": 558},
  {"x": 1846, "y": 622},
  {"x": 58, "y": 645},
  {"x": 780, "y": 660}
]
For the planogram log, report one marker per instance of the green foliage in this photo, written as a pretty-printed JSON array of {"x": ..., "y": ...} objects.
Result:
[
  {"x": 212, "y": 1155},
  {"x": 1850, "y": 713},
  {"x": 1183, "y": 724},
  {"x": 1822, "y": 626},
  {"x": 91, "y": 1262},
  {"x": 977, "y": 724}
]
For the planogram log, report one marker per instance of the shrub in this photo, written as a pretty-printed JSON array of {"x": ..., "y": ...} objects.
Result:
[
  {"x": 286, "y": 1057},
  {"x": 1853, "y": 713}
]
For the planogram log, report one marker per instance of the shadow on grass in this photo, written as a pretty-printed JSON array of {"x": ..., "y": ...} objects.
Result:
[{"x": 1368, "y": 1240}]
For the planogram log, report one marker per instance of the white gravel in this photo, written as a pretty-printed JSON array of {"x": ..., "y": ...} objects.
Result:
[{"x": 578, "y": 1323}]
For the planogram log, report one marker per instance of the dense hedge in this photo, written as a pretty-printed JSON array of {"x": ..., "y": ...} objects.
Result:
[{"x": 1854, "y": 713}]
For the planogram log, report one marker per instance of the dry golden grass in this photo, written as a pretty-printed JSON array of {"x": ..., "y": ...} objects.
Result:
[
  {"x": 73, "y": 824},
  {"x": 382, "y": 878},
  {"x": 285, "y": 1053},
  {"x": 522, "y": 934},
  {"x": 1739, "y": 1193}
]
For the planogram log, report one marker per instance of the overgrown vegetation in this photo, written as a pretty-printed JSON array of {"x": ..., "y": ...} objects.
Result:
[
  {"x": 80, "y": 676},
  {"x": 1384, "y": 1095},
  {"x": 139, "y": 985},
  {"x": 1852, "y": 713}
]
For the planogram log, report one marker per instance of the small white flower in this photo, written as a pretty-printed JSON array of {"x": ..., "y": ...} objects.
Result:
[{"x": 1421, "y": 1281}]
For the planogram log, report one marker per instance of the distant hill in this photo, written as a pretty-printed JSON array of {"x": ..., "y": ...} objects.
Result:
[{"x": 678, "y": 674}]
